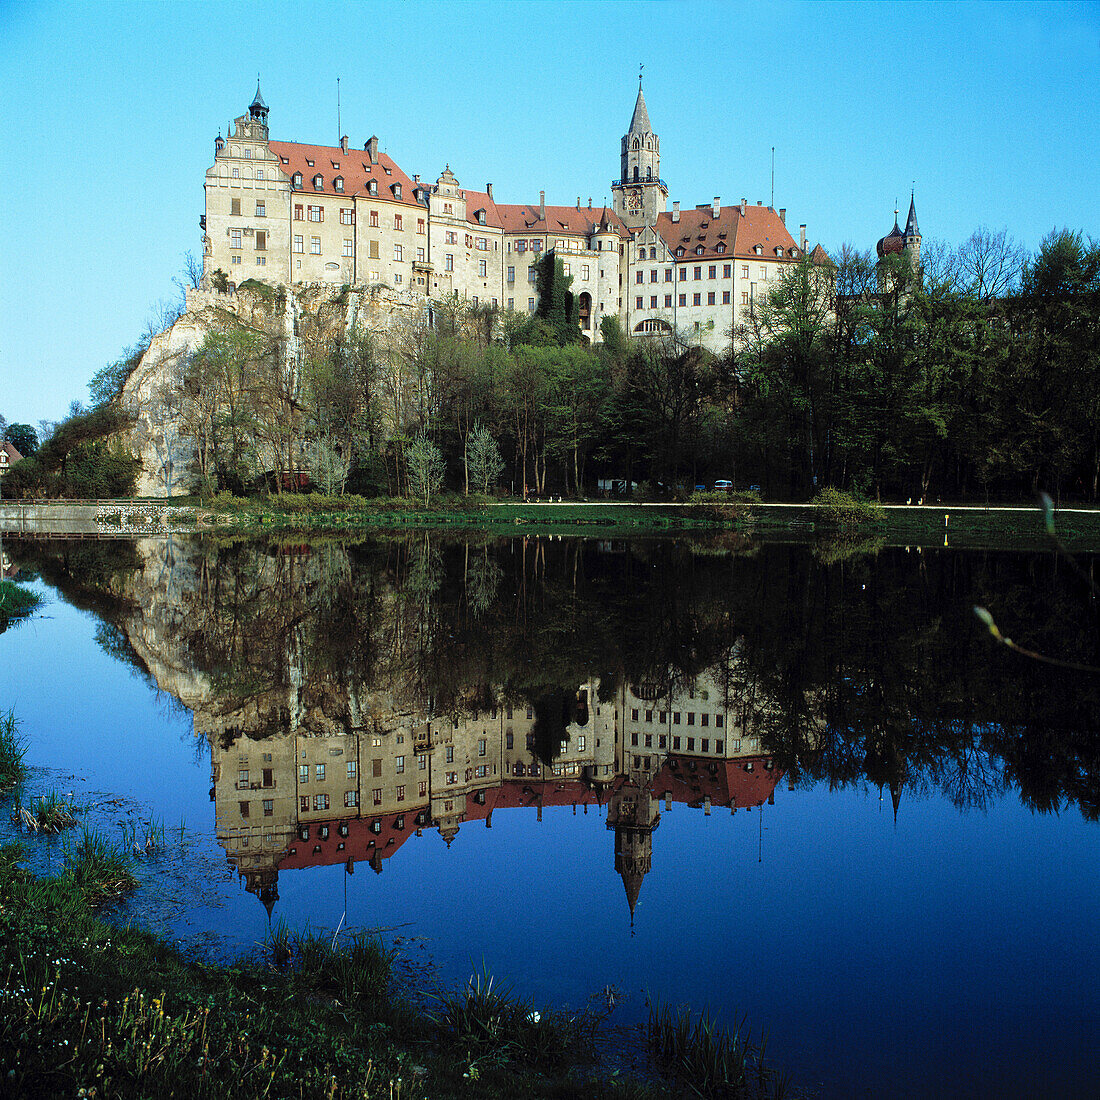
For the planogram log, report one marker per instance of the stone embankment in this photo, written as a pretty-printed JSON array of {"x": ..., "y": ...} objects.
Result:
[{"x": 96, "y": 518}]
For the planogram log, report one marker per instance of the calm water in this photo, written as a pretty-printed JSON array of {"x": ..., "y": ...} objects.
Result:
[{"x": 803, "y": 790}]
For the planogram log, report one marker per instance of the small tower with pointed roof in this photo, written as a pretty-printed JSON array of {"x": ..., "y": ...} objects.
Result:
[
  {"x": 912, "y": 234},
  {"x": 640, "y": 194},
  {"x": 902, "y": 243}
]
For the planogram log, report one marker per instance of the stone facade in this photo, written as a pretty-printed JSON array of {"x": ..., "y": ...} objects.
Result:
[{"x": 283, "y": 212}]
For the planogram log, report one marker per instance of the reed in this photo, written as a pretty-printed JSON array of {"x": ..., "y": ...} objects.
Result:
[
  {"x": 13, "y": 747},
  {"x": 98, "y": 868},
  {"x": 49, "y": 813}
]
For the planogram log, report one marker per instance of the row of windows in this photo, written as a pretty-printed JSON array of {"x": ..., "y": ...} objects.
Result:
[
  {"x": 677, "y": 745},
  {"x": 697, "y": 273},
  {"x": 696, "y": 300},
  {"x": 704, "y": 718}
]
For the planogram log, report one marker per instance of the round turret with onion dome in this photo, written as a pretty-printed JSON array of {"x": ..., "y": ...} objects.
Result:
[{"x": 893, "y": 243}]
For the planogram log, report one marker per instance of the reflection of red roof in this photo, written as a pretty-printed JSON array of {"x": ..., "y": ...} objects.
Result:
[
  {"x": 525, "y": 793},
  {"x": 361, "y": 843},
  {"x": 354, "y": 167},
  {"x": 736, "y": 783}
]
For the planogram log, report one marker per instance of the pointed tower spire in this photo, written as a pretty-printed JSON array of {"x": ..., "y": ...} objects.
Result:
[
  {"x": 257, "y": 109},
  {"x": 911, "y": 228},
  {"x": 639, "y": 121}
]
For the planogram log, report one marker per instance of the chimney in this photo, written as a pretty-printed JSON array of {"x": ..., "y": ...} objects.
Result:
[
  {"x": 589, "y": 202},
  {"x": 802, "y": 237},
  {"x": 489, "y": 190},
  {"x": 744, "y": 203},
  {"x": 716, "y": 207},
  {"x": 676, "y": 211},
  {"x": 578, "y": 202},
  {"x": 372, "y": 149},
  {"x": 416, "y": 178},
  {"x": 542, "y": 205},
  {"x": 344, "y": 143},
  {"x": 783, "y": 214}
]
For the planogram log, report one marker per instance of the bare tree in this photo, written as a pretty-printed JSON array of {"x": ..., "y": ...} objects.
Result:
[{"x": 991, "y": 262}]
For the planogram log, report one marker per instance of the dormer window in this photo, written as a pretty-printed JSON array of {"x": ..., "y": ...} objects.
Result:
[
  {"x": 318, "y": 182},
  {"x": 794, "y": 253},
  {"x": 779, "y": 252},
  {"x": 721, "y": 248},
  {"x": 481, "y": 217},
  {"x": 285, "y": 160},
  {"x": 388, "y": 171},
  {"x": 338, "y": 183},
  {"x": 372, "y": 187},
  {"x": 758, "y": 249},
  {"x": 396, "y": 190},
  {"x": 680, "y": 250},
  {"x": 334, "y": 163},
  {"x": 310, "y": 163},
  {"x": 698, "y": 250},
  {"x": 296, "y": 180}
]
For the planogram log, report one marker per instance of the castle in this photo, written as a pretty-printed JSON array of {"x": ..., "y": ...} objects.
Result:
[{"x": 286, "y": 213}]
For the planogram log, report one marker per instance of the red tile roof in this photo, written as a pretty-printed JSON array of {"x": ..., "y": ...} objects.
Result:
[
  {"x": 559, "y": 219},
  {"x": 13, "y": 455},
  {"x": 361, "y": 843},
  {"x": 480, "y": 200},
  {"x": 354, "y": 166},
  {"x": 738, "y": 233},
  {"x": 731, "y": 783}
]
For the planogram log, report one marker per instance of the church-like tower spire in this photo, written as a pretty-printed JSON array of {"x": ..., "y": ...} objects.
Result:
[{"x": 640, "y": 194}]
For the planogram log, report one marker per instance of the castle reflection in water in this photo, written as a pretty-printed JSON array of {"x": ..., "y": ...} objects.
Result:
[{"x": 295, "y": 800}]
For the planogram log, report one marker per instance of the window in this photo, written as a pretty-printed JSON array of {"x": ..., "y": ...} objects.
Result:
[
  {"x": 653, "y": 276},
  {"x": 704, "y": 745},
  {"x": 565, "y": 269},
  {"x": 712, "y": 271},
  {"x": 675, "y": 717},
  {"x": 399, "y": 764},
  {"x": 296, "y": 180},
  {"x": 691, "y": 744},
  {"x": 347, "y": 216},
  {"x": 351, "y": 798},
  {"x": 423, "y": 788},
  {"x": 261, "y": 210},
  {"x": 244, "y": 809},
  {"x": 261, "y": 241},
  {"x": 338, "y": 183},
  {"x": 710, "y": 298},
  {"x": 269, "y": 807},
  {"x": 683, "y": 299},
  {"x": 261, "y": 261},
  {"x": 398, "y": 252},
  {"x": 303, "y": 804},
  {"x": 638, "y": 302},
  {"x": 373, "y": 245},
  {"x": 676, "y": 744},
  {"x": 452, "y": 777},
  {"x": 744, "y": 297},
  {"x": 319, "y": 773},
  {"x": 718, "y": 721},
  {"x": 234, "y": 238},
  {"x": 450, "y": 237},
  {"x": 691, "y": 718},
  {"x": 299, "y": 212},
  {"x": 726, "y": 270},
  {"x": 511, "y": 274},
  {"x": 372, "y": 187},
  {"x": 532, "y": 275},
  {"x": 318, "y": 183},
  {"x": 696, "y": 299},
  {"x": 531, "y": 305},
  {"x": 668, "y": 274},
  {"x": 401, "y": 792},
  {"x": 316, "y": 213},
  {"x": 320, "y": 801},
  {"x": 421, "y": 762},
  {"x": 653, "y": 302},
  {"x": 725, "y": 297},
  {"x": 374, "y": 217},
  {"x": 376, "y": 767},
  {"x": 236, "y": 173},
  {"x": 649, "y": 716},
  {"x": 481, "y": 268},
  {"x": 420, "y": 254},
  {"x": 680, "y": 250},
  {"x": 482, "y": 244},
  {"x": 398, "y": 222},
  {"x": 584, "y": 271},
  {"x": 348, "y": 247},
  {"x": 315, "y": 246},
  {"x": 396, "y": 189},
  {"x": 744, "y": 271},
  {"x": 351, "y": 769},
  {"x": 649, "y": 740},
  {"x": 303, "y": 773},
  {"x": 704, "y": 720},
  {"x": 521, "y": 246},
  {"x": 450, "y": 754},
  {"x": 376, "y": 796},
  {"x": 234, "y": 206},
  {"x": 698, "y": 273},
  {"x": 668, "y": 301},
  {"x": 683, "y": 274},
  {"x": 511, "y": 303},
  {"x": 448, "y": 208},
  {"x": 420, "y": 226},
  {"x": 299, "y": 243},
  {"x": 242, "y": 779},
  {"x": 634, "y": 740},
  {"x": 638, "y": 276},
  {"x": 718, "y": 746},
  {"x": 448, "y": 262}
]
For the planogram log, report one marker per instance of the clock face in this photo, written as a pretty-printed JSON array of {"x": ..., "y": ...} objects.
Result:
[{"x": 634, "y": 199}]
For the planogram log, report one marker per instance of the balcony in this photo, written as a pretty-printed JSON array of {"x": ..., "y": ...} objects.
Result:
[{"x": 635, "y": 183}]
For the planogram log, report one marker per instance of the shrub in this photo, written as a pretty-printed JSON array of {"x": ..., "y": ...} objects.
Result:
[
  {"x": 845, "y": 511},
  {"x": 12, "y": 749}
]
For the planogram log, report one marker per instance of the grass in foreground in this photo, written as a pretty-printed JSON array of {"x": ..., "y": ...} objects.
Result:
[
  {"x": 49, "y": 813},
  {"x": 12, "y": 750},
  {"x": 15, "y": 602}
]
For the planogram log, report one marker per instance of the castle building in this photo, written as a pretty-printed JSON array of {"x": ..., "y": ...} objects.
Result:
[
  {"x": 904, "y": 244},
  {"x": 287, "y": 213}
]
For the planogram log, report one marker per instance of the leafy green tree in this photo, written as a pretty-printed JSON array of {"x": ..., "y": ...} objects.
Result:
[
  {"x": 23, "y": 438},
  {"x": 425, "y": 468},
  {"x": 484, "y": 461},
  {"x": 557, "y": 305}
]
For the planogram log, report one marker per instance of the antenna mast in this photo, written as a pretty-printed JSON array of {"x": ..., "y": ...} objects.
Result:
[
  {"x": 773, "y": 178},
  {"x": 339, "y": 128}
]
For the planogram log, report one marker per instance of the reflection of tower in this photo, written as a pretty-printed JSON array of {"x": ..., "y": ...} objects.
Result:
[
  {"x": 264, "y": 883},
  {"x": 632, "y": 813}
]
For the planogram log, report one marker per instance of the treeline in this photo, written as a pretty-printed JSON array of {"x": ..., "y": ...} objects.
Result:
[{"x": 979, "y": 379}]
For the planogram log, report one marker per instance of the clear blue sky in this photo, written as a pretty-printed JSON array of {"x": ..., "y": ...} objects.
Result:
[{"x": 110, "y": 113}]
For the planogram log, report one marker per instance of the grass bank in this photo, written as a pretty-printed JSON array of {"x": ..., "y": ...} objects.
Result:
[
  {"x": 15, "y": 602},
  {"x": 92, "y": 1007}
]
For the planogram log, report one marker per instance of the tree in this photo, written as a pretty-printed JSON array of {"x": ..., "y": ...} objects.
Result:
[
  {"x": 557, "y": 305},
  {"x": 425, "y": 467},
  {"x": 23, "y": 438},
  {"x": 484, "y": 460},
  {"x": 990, "y": 263}
]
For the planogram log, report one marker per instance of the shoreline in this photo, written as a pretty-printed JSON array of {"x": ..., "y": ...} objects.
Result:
[{"x": 934, "y": 525}]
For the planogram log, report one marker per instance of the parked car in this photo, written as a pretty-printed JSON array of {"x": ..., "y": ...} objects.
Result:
[{"x": 723, "y": 486}]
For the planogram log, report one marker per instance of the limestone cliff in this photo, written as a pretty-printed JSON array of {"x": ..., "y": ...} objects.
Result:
[{"x": 295, "y": 319}]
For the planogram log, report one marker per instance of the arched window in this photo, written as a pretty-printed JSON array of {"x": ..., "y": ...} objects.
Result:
[
  {"x": 635, "y": 171},
  {"x": 648, "y": 173}
]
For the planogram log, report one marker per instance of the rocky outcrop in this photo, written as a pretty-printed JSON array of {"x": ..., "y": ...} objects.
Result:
[{"x": 296, "y": 319}]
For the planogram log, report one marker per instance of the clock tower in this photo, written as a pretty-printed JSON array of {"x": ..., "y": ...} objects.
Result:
[{"x": 640, "y": 194}]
